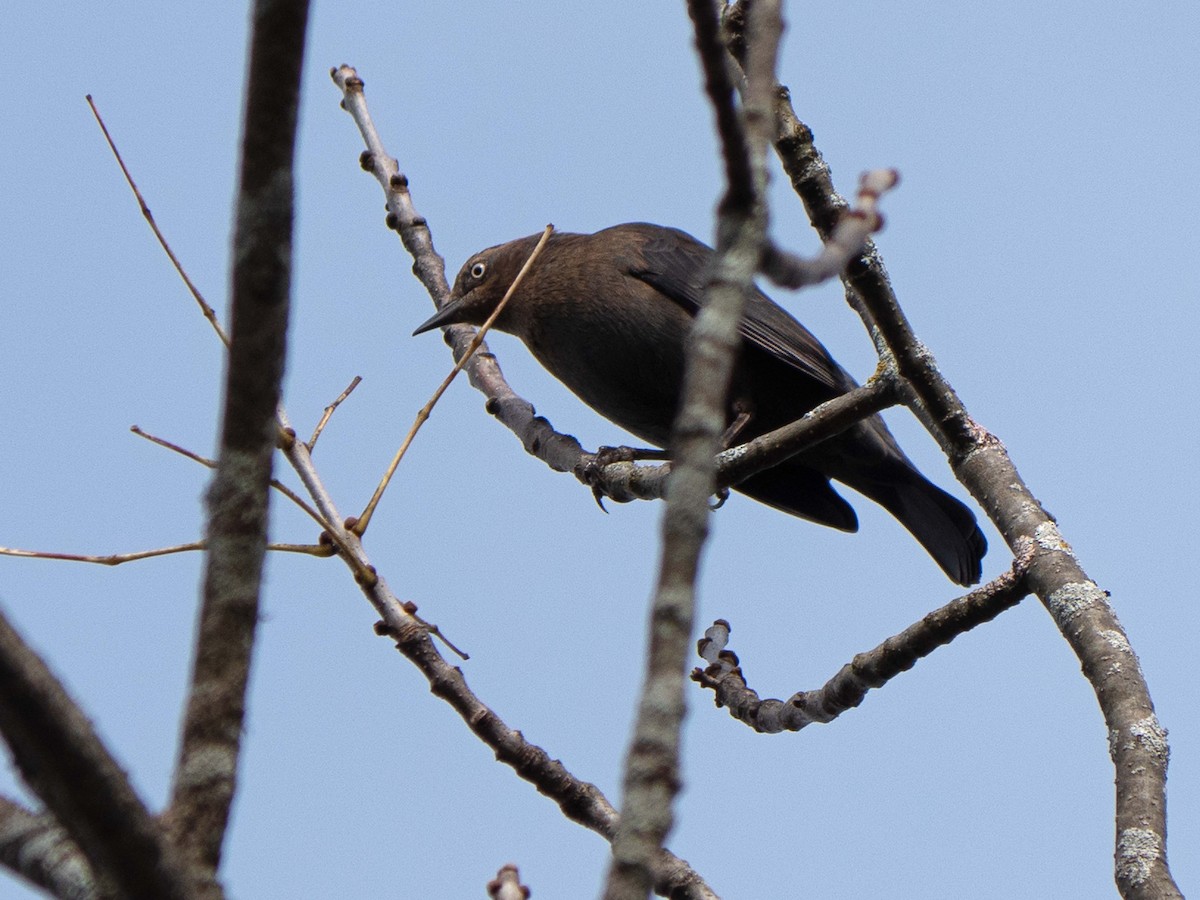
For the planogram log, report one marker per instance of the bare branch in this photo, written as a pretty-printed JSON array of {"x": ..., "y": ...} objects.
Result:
[
  {"x": 206, "y": 775},
  {"x": 116, "y": 559},
  {"x": 212, "y": 464},
  {"x": 428, "y": 266},
  {"x": 64, "y": 761},
  {"x": 624, "y": 482},
  {"x": 38, "y": 849},
  {"x": 854, "y": 228},
  {"x": 1080, "y": 609},
  {"x": 872, "y": 669},
  {"x": 579, "y": 801},
  {"x": 173, "y": 447}
]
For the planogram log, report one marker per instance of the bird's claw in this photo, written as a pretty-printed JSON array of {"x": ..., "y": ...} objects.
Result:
[{"x": 590, "y": 472}]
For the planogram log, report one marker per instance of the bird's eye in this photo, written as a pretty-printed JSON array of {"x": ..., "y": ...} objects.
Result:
[{"x": 478, "y": 270}]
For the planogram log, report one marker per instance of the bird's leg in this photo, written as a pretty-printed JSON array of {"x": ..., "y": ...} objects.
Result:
[{"x": 744, "y": 412}]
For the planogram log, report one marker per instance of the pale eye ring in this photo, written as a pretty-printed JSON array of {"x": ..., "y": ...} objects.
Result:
[{"x": 478, "y": 270}]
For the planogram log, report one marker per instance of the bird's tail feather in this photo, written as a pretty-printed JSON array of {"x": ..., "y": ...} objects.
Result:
[
  {"x": 943, "y": 525},
  {"x": 802, "y": 492}
]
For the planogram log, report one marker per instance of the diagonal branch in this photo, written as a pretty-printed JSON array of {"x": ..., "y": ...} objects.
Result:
[
  {"x": 36, "y": 847},
  {"x": 561, "y": 452},
  {"x": 64, "y": 761},
  {"x": 208, "y": 312},
  {"x": 579, "y": 800}
]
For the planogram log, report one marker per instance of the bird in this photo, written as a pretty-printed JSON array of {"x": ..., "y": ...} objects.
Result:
[{"x": 608, "y": 315}]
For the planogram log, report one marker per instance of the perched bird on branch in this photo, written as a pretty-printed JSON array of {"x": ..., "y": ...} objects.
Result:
[{"x": 608, "y": 314}]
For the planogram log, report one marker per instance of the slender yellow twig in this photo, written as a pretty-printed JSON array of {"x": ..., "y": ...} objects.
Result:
[
  {"x": 312, "y": 442},
  {"x": 208, "y": 311},
  {"x": 307, "y": 549},
  {"x": 114, "y": 559},
  {"x": 360, "y": 525},
  {"x": 182, "y": 451}
]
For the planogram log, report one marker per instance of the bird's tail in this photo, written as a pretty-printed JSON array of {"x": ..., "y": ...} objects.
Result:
[{"x": 943, "y": 525}]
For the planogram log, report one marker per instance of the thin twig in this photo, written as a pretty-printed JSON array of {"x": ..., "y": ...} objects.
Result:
[
  {"x": 116, "y": 559},
  {"x": 329, "y": 410},
  {"x": 318, "y": 550},
  {"x": 212, "y": 464},
  {"x": 205, "y": 461},
  {"x": 112, "y": 559},
  {"x": 208, "y": 311},
  {"x": 360, "y": 525}
]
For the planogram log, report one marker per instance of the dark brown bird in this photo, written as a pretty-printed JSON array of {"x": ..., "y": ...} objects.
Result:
[{"x": 608, "y": 314}]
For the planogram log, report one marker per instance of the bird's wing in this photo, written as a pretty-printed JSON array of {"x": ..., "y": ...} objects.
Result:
[{"x": 676, "y": 264}]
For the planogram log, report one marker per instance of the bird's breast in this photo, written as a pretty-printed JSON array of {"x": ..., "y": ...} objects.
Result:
[{"x": 623, "y": 358}]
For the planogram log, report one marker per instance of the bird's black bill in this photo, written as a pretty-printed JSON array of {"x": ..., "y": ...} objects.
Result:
[{"x": 444, "y": 316}]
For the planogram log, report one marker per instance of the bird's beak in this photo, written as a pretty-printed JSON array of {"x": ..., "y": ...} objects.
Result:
[{"x": 447, "y": 315}]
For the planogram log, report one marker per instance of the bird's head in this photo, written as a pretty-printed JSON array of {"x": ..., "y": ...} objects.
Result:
[{"x": 481, "y": 284}]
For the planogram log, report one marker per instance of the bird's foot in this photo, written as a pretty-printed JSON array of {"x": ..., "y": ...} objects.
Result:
[{"x": 591, "y": 471}]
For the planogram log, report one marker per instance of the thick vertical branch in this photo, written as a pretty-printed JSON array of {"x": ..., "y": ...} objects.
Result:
[
  {"x": 652, "y": 766},
  {"x": 206, "y": 776}
]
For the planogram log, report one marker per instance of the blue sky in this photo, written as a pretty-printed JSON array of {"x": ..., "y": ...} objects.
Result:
[{"x": 1041, "y": 241}]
